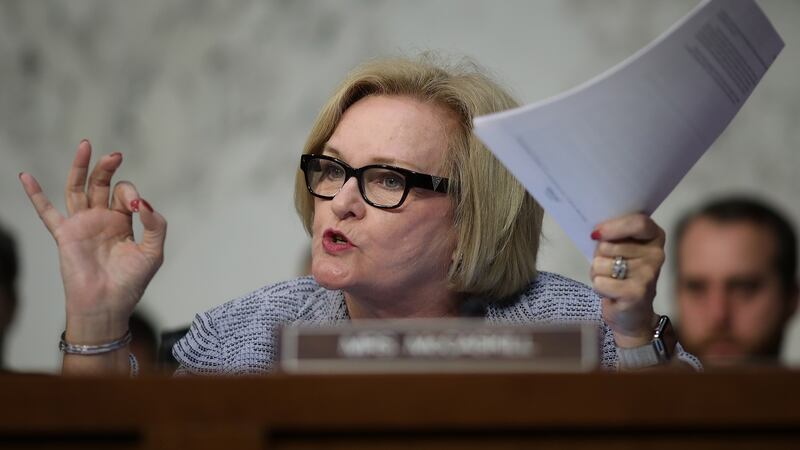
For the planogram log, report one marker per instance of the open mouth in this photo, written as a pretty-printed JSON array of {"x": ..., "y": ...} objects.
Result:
[{"x": 336, "y": 239}]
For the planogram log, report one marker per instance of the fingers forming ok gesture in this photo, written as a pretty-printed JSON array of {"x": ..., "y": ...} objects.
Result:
[{"x": 105, "y": 271}]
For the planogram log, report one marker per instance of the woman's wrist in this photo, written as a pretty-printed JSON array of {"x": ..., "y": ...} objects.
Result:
[
  {"x": 95, "y": 329},
  {"x": 636, "y": 339},
  {"x": 115, "y": 362},
  {"x": 94, "y": 349}
]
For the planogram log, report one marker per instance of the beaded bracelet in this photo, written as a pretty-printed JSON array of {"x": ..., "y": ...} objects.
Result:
[{"x": 88, "y": 350}]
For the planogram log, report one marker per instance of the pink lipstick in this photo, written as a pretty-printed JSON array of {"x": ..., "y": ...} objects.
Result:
[{"x": 335, "y": 241}]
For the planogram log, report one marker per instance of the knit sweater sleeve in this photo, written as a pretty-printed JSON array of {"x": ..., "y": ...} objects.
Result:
[
  {"x": 688, "y": 358},
  {"x": 198, "y": 352},
  {"x": 238, "y": 337},
  {"x": 553, "y": 298}
]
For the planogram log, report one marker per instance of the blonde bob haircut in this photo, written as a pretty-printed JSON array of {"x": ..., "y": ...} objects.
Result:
[{"x": 497, "y": 222}]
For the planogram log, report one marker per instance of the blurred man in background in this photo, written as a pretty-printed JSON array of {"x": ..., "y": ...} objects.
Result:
[
  {"x": 9, "y": 267},
  {"x": 736, "y": 281}
]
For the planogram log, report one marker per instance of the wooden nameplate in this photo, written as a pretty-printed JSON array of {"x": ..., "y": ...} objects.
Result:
[{"x": 438, "y": 345}]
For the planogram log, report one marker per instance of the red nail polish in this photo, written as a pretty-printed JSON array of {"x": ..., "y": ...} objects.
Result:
[
  {"x": 595, "y": 235},
  {"x": 147, "y": 205},
  {"x": 135, "y": 205}
]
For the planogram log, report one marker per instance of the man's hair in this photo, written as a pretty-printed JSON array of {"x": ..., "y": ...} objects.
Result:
[
  {"x": 748, "y": 209},
  {"x": 9, "y": 264},
  {"x": 497, "y": 222}
]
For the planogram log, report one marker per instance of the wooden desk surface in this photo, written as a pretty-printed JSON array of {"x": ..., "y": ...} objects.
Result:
[{"x": 754, "y": 409}]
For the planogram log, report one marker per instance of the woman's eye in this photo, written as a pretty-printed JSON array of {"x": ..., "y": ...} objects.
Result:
[
  {"x": 392, "y": 182},
  {"x": 334, "y": 172}
]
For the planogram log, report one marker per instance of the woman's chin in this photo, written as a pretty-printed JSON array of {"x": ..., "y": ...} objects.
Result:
[{"x": 330, "y": 277}]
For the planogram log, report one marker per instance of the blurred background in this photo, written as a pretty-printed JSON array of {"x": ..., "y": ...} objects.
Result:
[{"x": 210, "y": 103}]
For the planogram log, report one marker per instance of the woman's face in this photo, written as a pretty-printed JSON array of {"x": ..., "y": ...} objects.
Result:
[{"x": 385, "y": 249}]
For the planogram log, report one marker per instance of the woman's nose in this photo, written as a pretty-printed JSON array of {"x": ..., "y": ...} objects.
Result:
[{"x": 348, "y": 201}]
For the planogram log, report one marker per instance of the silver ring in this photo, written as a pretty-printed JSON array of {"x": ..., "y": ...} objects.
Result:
[{"x": 620, "y": 269}]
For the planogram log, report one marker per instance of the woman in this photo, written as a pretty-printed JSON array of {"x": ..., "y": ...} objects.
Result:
[{"x": 410, "y": 216}]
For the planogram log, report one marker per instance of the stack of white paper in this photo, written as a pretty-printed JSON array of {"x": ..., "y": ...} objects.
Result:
[{"x": 621, "y": 142}]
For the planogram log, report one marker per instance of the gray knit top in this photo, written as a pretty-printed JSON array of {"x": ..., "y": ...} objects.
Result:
[{"x": 239, "y": 337}]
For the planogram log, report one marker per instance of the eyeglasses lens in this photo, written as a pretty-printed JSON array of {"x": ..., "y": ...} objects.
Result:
[
  {"x": 325, "y": 177},
  {"x": 382, "y": 187}
]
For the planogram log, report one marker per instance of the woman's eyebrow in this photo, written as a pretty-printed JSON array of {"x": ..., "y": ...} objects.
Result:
[{"x": 327, "y": 149}]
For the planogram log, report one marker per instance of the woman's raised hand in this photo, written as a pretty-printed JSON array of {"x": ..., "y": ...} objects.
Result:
[
  {"x": 628, "y": 299},
  {"x": 105, "y": 271}
]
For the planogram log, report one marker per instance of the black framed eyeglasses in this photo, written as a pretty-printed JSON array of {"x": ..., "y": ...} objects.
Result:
[{"x": 381, "y": 185}]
